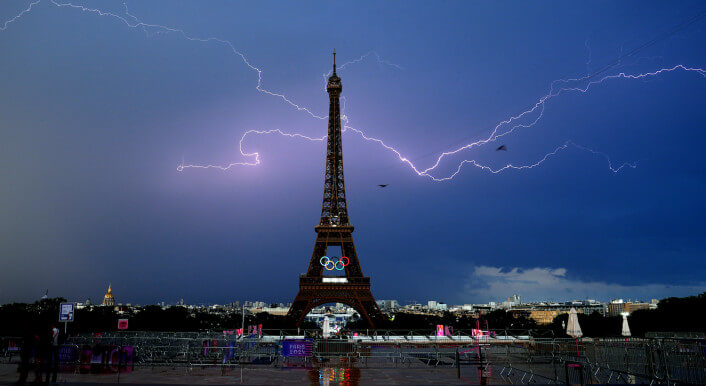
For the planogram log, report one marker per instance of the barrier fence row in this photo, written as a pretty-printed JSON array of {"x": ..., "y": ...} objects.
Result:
[{"x": 514, "y": 358}]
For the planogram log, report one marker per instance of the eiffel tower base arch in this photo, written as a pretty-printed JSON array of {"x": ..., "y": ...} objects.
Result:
[{"x": 358, "y": 297}]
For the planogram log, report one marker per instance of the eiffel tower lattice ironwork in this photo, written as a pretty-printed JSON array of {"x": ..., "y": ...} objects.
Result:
[{"x": 334, "y": 229}]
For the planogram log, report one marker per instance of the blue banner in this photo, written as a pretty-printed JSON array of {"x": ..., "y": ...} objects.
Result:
[{"x": 297, "y": 348}]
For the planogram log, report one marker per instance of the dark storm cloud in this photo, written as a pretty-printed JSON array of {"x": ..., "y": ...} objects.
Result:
[{"x": 96, "y": 117}]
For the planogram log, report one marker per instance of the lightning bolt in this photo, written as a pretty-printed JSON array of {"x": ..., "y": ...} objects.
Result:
[
  {"x": 503, "y": 128},
  {"x": 537, "y": 107},
  {"x": 27, "y": 10},
  {"x": 362, "y": 58},
  {"x": 136, "y": 23},
  {"x": 254, "y": 155}
]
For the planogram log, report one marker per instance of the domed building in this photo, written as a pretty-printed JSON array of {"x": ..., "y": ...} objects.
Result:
[{"x": 109, "y": 299}]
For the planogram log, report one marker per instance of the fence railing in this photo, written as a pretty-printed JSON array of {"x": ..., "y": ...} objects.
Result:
[
  {"x": 628, "y": 360},
  {"x": 516, "y": 357}
]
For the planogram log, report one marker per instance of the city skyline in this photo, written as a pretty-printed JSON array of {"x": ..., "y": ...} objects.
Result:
[
  {"x": 176, "y": 300},
  {"x": 97, "y": 132}
]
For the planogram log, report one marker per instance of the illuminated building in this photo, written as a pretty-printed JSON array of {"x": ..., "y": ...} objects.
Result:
[
  {"x": 618, "y": 306},
  {"x": 109, "y": 299}
]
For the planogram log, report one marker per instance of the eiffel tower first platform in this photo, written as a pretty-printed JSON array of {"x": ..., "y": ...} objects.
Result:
[{"x": 352, "y": 289}]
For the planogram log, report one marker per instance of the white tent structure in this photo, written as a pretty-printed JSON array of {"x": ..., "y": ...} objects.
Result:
[
  {"x": 326, "y": 327},
  {"x": 626, "y": 327},
  {"x": 572, "y": 328}
]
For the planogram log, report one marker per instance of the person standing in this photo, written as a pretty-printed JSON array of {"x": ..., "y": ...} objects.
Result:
[
  {"x": 52, "y": 361},
  {"x": 26, "y": 355}
]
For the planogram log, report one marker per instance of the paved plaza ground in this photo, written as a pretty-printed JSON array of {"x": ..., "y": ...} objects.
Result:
[{"x": 264, "y": 376}]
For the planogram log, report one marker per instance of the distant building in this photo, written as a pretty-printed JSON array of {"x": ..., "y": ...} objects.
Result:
[
  {"x": 544, "y": 316},
  {"x": 544, "y": 313},
  {"x": 618, "y": 306},
  {"x": 337, "y": 320},
  {"x": 388, "y": 305},
  {"x": 281, "y": 311},
  {"x": 109, "y": 299},
  {"x": 654, "y": 304},
  {"x": 588, "y": 306},
  {"x": 80, "y": 306},
  {"x": 514, "y": 300}
]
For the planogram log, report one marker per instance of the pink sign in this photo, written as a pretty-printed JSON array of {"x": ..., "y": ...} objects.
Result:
[{"x": 122, "y": 324}]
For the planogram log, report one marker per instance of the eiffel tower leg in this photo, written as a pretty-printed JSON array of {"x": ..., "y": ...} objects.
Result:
[
  {"x": 370, "y": 308},
  {"x": 364, "y": 313},
  {"x": 300, "y": 307}
]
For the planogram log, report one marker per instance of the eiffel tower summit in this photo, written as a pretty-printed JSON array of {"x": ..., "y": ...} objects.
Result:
[{"x": 334, "y": 229}]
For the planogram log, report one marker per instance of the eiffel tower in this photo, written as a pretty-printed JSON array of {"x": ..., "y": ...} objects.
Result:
[{"x": 353, "y": 289}]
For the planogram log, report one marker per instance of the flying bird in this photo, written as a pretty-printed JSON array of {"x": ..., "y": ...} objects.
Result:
[
  {"x": 382, "y": 185},
  {"x": 502, "y": 147}
]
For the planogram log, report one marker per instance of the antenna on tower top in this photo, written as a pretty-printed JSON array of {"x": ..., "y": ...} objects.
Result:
[{"x": 334, "y": 61}]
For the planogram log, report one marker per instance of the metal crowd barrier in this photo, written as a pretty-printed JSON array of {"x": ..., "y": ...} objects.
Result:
[
  {"x": 624, "y": 360},
  {"x": 514, "y": 357}
]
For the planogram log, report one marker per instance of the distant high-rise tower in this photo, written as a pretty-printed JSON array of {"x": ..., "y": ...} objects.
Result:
[{"x": 109, "y": 299}]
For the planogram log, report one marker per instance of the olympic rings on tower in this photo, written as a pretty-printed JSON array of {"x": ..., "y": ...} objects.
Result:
[{"x": 337, "y": 263}]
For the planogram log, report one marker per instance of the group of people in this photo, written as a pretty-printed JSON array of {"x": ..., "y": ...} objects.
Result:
[{"x": 40, "y": 354}]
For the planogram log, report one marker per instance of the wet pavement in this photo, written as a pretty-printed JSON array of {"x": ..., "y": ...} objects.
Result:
[{"x": 266, "y": 376}]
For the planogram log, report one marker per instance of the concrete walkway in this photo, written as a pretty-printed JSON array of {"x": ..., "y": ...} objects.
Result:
[{"x": 263, "y": 376}]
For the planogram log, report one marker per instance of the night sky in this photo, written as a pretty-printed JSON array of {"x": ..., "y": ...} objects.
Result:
[{"x": 96, "y": 116}]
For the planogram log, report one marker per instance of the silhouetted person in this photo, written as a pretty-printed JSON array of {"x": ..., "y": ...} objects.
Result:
[
  {"x": 44, "y": 352},
  {"x": 26, "y": 356},
  {"x": 37, "y": 357},
  {"x": 52, "y": 354}
]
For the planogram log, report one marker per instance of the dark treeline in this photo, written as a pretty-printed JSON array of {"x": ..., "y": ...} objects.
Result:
[
  {"x": 17, "y": 317},
  {"x": 673, "y": 315},
  {"x": 686, "y": 314}
]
